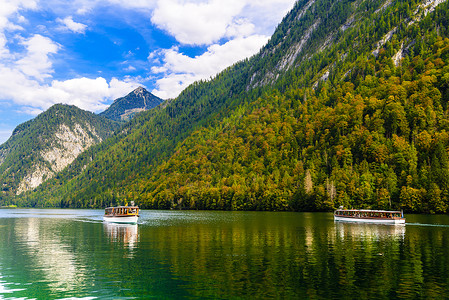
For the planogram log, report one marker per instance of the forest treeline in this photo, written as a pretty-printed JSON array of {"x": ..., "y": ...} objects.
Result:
[{"x": 345, "y": 125}]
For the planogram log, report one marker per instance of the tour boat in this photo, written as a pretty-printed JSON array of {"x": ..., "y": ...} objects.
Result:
[
  {"x": 369, "y": 216},
  {"x": 122, "y": 214}
]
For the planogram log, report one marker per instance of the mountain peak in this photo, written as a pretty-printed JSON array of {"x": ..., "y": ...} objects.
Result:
[
  {"x": 123, "y": 109},
  {"x": 139, "y": 90}
]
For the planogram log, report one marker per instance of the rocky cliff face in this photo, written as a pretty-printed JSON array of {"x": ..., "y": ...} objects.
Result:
[
  {"x": 67, "y": 143},
  {"x": 44, "y": 146}
]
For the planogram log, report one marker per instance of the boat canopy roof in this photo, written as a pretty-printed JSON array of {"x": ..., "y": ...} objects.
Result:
[
  {"x": 111, "y": 207},
  {"x": 370, "y": 210}
]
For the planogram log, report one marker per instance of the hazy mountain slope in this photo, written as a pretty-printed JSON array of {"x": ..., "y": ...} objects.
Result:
[
  {"x": 44, "y": 146},
  {"x": 318, "y": 46},
  {"x": 123, "y": 109}
]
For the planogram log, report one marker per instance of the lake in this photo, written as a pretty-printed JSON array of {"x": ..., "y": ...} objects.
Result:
[{"x": 60, "y": 254}]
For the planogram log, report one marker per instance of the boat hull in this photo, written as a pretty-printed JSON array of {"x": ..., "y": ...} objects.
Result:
[
  {"x": 120, "y": 219},
  {"x": 370, "y": 220}
]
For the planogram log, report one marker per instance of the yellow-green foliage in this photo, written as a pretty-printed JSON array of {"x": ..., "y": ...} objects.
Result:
[{"x": 381, "y": 144}]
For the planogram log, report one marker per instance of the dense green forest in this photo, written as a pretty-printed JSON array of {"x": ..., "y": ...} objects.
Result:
[
  {"x": 334, "y": 122},
  {"x": 381, "y": 143}
]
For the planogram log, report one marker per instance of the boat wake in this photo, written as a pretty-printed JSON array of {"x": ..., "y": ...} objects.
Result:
[{"x": 427, "y": 225}]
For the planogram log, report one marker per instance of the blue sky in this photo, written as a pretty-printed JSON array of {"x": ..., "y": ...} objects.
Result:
[{"x": 89, "y": 52}]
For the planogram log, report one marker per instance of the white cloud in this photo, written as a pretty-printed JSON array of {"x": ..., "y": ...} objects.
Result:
[
  {"x": 21, "y": 19},
  {"x": 267, "y": 14},
  {"x": 203, "y": 22},
  {"x": 33, "y": 111},
  {"x": 82, "y": 92},
  {"x": 239, "y": 28},
  {"x": 135, "y": 4},
  {"x": 10, "y": 7},
  {"x": 197, "y": 22},
  {"x": 130, "y": 69},
  {"x": 181, "y": 70},
  {"x": 85, "y": 93},
  {"x": 4, "y": 52},
  {"x": 170, "y": 86},
  {"x": 36, "y": 62},
  {"x": 71, "y": 25}
]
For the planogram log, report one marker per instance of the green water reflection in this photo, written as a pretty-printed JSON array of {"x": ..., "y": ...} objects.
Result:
[{"x": 54, "y": 254}]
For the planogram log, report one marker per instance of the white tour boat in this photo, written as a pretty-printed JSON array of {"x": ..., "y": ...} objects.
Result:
[
  {"x": 122, "y": 214},
  {"x": 369, "y": 216}
]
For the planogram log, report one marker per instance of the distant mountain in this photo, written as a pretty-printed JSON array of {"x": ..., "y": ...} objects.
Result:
[
  {"x": 123, "y": 109},
  {"x": 45, "y": 145}
]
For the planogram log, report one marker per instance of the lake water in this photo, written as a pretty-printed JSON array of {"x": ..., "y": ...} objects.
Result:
[{"x": 60, "y": 254}]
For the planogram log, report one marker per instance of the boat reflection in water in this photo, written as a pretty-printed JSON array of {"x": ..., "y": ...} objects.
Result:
[
  {"x": 122, "y": 233},
  {"x": 368, "y": 231}
]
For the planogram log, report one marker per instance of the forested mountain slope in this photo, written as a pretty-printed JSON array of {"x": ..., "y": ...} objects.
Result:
[
  {"x": 346, "y": 105},
  {"x": 123, "y": 109},
  {"x": 41, "y": 147}
]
